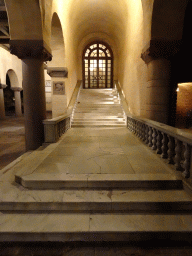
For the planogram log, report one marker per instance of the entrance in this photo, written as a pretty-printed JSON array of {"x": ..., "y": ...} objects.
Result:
[{"x": 97, "y": 66}]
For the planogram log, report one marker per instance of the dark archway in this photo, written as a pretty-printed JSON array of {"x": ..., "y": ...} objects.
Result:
[
  {"x": 9, "y": 98},
  {"x": 97, "y": 66}
]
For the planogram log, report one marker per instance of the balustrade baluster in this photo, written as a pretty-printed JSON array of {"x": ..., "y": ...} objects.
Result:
[
  {"x": 159, "y": 142},
  {"x": 187, "y": 162},
  {"x": 171, "y": 150},
  {"x": 178, "y": 151},
  {"x": 143, "y": 132},
  {"x": 140, "y": 130},
  {"x": 150, "y": 137},
  {"x": 135, "y": 127},
  {"x": 132, "y": 125},
  {"x": 147, "y": 134},
  {"x": 154, "y": 140},
  {"x": 164, "y": 146}
]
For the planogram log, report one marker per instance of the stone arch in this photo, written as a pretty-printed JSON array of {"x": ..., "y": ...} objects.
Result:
[
  {"x": 57, "y": 43},
  {"x": 96, "y": 37},
  {"x": 25, "y": 21},
  {"x": 168, "y": 19},
  {"x": 12, "y": 94},
  {"x": 56, "y": 68},
  {"x": 13, "y": 78}
]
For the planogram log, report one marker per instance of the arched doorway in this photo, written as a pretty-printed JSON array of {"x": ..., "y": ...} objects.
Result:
[
  {"x": 97, "y": 66},
  {"x": 9, "y": 98}
]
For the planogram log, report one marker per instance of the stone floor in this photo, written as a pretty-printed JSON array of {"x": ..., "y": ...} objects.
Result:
[
  {"x": 12, "y": 139},
  {"x": 86, "y": 152}
]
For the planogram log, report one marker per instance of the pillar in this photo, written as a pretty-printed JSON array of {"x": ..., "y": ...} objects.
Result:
[
  {"x": 2, "y": 104},
  {"x": 59, "y": 99},
  {"x": 17, "y": 94},
  {"x": 157, "y": 91},
  {"x": 33, "y": 54},
  {"x": 157, "y": 56}
]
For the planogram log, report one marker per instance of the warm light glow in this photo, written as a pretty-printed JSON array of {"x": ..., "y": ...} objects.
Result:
[
  {"x": 94, "y": 65},
  {"x": 177, "y": 89},
  {"x": 185, "y": 84}
]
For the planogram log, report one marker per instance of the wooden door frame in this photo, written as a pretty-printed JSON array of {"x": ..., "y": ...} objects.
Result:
[{"x": 97, "y": 58}]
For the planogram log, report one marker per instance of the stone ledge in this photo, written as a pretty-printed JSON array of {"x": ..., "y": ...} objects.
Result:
[
  {"x": 57, "y": 72},
  {"x": 94, "y": 181}
]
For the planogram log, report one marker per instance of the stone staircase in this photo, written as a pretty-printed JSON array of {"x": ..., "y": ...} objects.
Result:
[
  {"x": 98, "y": 107},
  {"x": 41, "y": 204},
  {"x": 96, "y": 208}
]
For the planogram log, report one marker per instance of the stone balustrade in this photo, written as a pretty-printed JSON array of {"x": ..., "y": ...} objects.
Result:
[
  {"x": 171, "y": 143},
  {"x": 54, "y": 128}
]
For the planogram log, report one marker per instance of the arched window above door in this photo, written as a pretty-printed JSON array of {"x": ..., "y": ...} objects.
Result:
[{"x": 97, "y": 66}]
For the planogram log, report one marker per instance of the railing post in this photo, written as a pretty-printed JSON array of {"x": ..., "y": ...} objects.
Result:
[
  {"x": 134, "y": 127},
  {"x": 154, "y": 140},
  {"x": 150, "y": 137},
  {"x": 147, "y": 134},
  {"x": 143, "y": 132},
  {"x": 171, "y": 150},
  {"x": 159, "y": 142},
  {"x": 187, "y": 156},
  {"x": 178, "y": 151},
  {"x": 164, "y": 146}
]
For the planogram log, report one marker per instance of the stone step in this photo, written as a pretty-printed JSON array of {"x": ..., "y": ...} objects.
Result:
[
  {"x": 96, "y": 115},
  {"x": 96, "y": 124},
  {"x": 98, "y": 103},
  {"x": 94, "y": 119},
  {"x": 99, "y": 106},
  {"x": 99, "y": 111},
  {"x": 94, "y": 227},
  {"x": 98, "y": 181},
  {"x": 105, "y": 201}
]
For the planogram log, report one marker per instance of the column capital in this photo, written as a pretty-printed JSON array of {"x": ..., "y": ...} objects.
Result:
[
  {"x": 160, "y": 48},
  {"x": 57, "y": 72},
  {"x": 19, "y": 89},
  {"x": 3, "y": 86},
  {"x": 30, "y": 49}
]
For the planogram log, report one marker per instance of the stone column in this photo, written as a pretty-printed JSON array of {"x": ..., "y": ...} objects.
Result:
[
  {"x": 2, "y": 104},
  {"x": 17, "y": 94},
  {"x": 33, "y": 55},
  {"x": 157, "y": 57}
]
